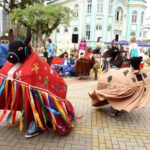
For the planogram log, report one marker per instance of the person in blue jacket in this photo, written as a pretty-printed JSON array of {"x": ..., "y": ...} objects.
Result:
[
  {"x": 50, "y": 50},
  {"x": 3, "y": 54}
]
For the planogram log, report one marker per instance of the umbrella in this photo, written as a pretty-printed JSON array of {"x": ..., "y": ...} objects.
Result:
[
  {"x": 122, "y": 42},
  {"x": 143, "y": 44}
]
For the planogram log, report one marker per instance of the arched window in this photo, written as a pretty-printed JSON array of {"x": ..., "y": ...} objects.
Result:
[
  {"x": 87, "y": 32},
  {"x": 142, "y": 17},
  {"x": 76, "y": 10},
  {"x": 119, "y": 14},
  {"x": 57, "y": 30},
  {"x": 110, "y": 6},
  {"x": 132, "y": 34},
  {"x": 145, "y": 34},
  {"x": 99, "y": 6},
  {"x": 134, "y": 16},
  {"x": 75, "y": 29},
  {"x": 89, "y": 6},
  {"x": 66, "y": 29},
  {"x": 98, "y": 27},
  {"x": 109, "y": 28}
]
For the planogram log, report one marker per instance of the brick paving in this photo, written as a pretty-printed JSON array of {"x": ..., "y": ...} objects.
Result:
[{"x": 95, "y": 131}]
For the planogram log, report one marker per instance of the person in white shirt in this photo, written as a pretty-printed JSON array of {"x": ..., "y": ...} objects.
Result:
[{"x": 135, "y": 56}]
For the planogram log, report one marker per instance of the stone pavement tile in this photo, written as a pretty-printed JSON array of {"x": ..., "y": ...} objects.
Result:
[
  {"x": 147, "y": 146},
  {"x": 67, "y": 146},
  {"x": 140, "y": 148},
  {"x": 5, "y": 147},
  {"x": 116, "y": 146},
  {"x": 13, "y": 142},
  {"x": 17, "y": 146},
  {"x": 39, "y": 145},
  {"x": 31, "y": 146},
  {"x": 78, "y": 147},
  {"x": 45, "y": 148},
  {"x": 56, "y": 148}
]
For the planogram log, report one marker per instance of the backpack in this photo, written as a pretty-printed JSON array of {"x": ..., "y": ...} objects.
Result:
[{"x": 134, "y": 52}]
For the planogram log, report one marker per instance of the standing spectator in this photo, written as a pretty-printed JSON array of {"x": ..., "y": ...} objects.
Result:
[
  {"x": 135, "y": 54},
  {"x": 134, "y": 50},
  {"x": 82, "y": 47},
  {"x": 51, "y": 51},
  {"x": 98, "y": 46}
]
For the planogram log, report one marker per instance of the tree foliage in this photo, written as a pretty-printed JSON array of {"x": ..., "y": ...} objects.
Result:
[
  {"x": 42, "y": 19},
  {"x": 9, "y": 5}
]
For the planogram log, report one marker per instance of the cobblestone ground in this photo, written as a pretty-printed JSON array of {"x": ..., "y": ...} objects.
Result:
[{"x": 95, "y": 131}]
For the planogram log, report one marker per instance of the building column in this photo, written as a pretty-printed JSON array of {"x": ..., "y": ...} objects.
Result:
[
  {"x": 105, "y": 19},
  {"x": 128, "y": 26},
  {"x": 138, "y": 24},
  {"x": 113, "y": 23},
  {"x": 93, "y": 20},
  {"x": 84, "y": 18}
]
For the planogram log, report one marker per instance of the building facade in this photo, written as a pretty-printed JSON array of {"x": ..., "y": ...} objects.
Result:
[
  {"x": 3, "y": 21},
  {"x": 146, "y": 29},
  {"x": 108, "y": 19}
]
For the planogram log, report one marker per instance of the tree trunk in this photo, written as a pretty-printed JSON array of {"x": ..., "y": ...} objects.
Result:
[{"x": 36, "y": 39}]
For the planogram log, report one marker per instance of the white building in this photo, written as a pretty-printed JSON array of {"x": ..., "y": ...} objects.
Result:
[
  {"x": 146, "y": 29},
  {"x": 108, "y": 19},
  {"x": 3, "y": 21}
]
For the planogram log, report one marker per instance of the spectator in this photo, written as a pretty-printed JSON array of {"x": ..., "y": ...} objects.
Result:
[
  {"x": 98, "y": 46},
  {"x": 82, "y": 47},
  {"x": 51, "y": 51},
  {"x": 135, "y": 54}
]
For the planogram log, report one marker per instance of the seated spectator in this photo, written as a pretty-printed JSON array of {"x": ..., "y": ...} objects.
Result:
[{"x": 71, "y": 66}]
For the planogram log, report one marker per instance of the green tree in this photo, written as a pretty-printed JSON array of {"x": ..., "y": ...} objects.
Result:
[
  {"x": 9, "y": 5},
  {"x": 42, "y": 20}
]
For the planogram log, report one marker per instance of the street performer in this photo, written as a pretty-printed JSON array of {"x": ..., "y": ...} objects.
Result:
[
  {"x": 124, "y": 89},
  {"x": 85, "y": 63},
  {"x": 28, "y": 84}
]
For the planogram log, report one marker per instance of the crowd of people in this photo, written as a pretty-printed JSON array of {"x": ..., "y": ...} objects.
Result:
[
  {"x": 69, "y": 63},
  {"x": 112, "y": 57},
  {"x": 43, "y": 102}
]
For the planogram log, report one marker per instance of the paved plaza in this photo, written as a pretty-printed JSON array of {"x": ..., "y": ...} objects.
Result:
[{"x": 95, "y": 131}]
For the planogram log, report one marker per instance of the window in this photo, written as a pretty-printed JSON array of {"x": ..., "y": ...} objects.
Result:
[
  {"x": 132, "y": 34},
  {"x": 119, "y": 14},
  {"x": 110, "y": 6},
  {"x": 87, "y": 32},
  {"x": 145, "y": 34},
  {"x": 66, "y": 29},
  {"x": 142, "y": 17},
  {"x": 57, "y": 30},
  {"x": 76, "y": 10},
  {"x": 109, "y": 28},
  {"x": 99, "y": 6},
  {"x": 89, "y": 6},
  {"x": 134, "y": 16},
  {"x": 75, "y": 29},
  {"x": 98, "y": 27}
]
